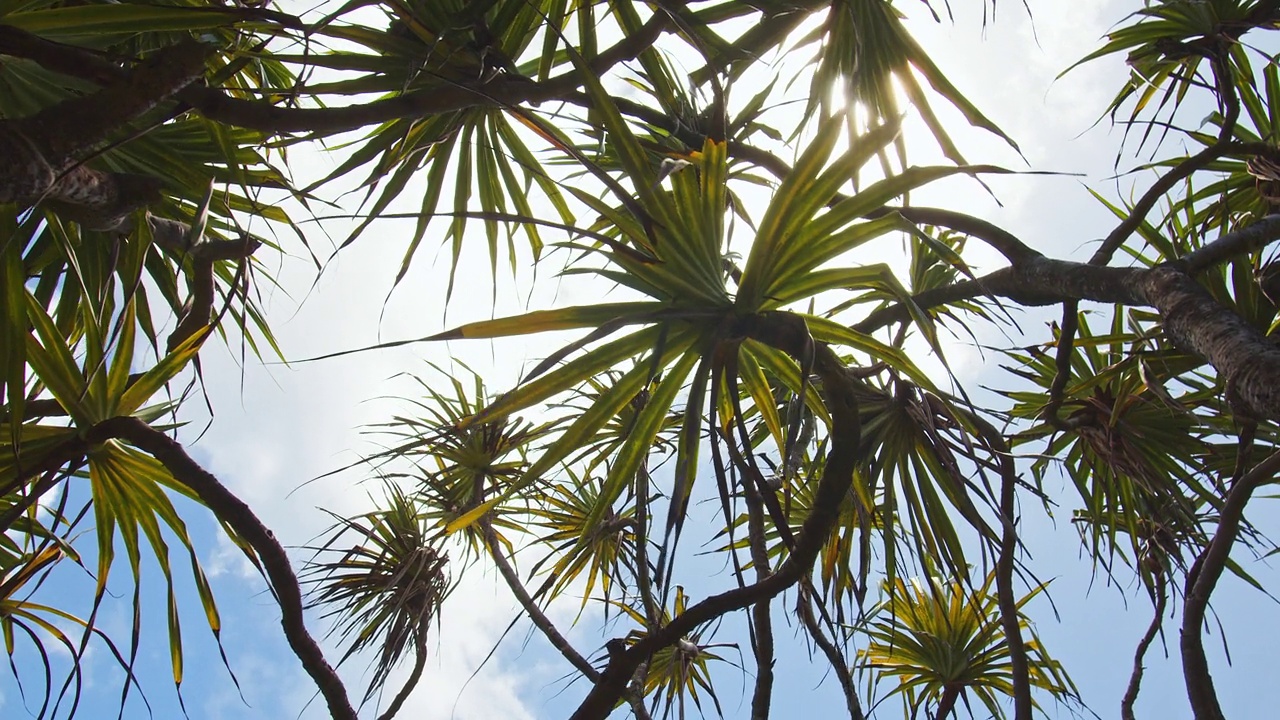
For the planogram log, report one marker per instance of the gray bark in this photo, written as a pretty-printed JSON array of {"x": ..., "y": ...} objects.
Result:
[{"x": 1247, "y": 361}]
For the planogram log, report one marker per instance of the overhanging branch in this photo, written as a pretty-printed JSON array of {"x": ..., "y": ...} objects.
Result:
[
  {"x": 501, "y": 91},
  {"x": 232, "y": 511},
  {"x": 240, "y": 518}
]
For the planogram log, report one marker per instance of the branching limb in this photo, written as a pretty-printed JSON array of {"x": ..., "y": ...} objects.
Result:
[
  {"x": 1099, "y": 284},
  {"x": 1202, "y": 579},
  {"x": 73, "y": 450},
  {"x": 788, "y": 333},
  {"x": 200, "y": 281},
  {"x": 70, "y": 60},
  {"x": 68, "y": 130},
  {"x": 1002, "y": 241},
  {"x": 1247, "y": 361},
  {"x": 926, "y": 300},
  {"x": 1161, "y": 187}
]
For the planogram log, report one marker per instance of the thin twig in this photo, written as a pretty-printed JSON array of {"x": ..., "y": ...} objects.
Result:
[
  {"x": 1135, "y": 679},
  {"x": 834, "y": 656}
]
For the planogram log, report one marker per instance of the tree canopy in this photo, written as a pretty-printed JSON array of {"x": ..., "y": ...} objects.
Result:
[{"x": 754, "y": 366}]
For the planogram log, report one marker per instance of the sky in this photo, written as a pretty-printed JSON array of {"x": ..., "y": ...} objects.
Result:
[{"x": 276, "y": 428}]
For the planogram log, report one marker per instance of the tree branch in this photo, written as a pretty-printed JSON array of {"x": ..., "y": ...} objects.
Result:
[
  {"x": 67, "y": 130},
  {"x": 788, "y": 333},
  {"x": 500, "y": 91},
  {"x": 1247, "y": 361},
  {"x": 415, "y": 675},
  {"x": 1202, "y": 579},
  {"x": 240, "y": 518},
  {"x": 230, "y": 510},
  {"x": 1248, "y": 239},
  {"x": 836, "y": 658},
  {"x": 761, "y": 612},
  {"x": 24, "y": 501},
  {"x": 61, "y": 58},
  {"x": 43, "y": 151},
  {"x": 1135, "y": 678},
  {"x": 539, "y": 618},
  {"x": 1002, "y": 241},
  {"x": 1245, "y": 358},
  {"x": 1062, "y": 362},
  {"x": 72, "y": 450},
  {"x": 200, "y": 281},
  {"x": 1018, "y": 665},
  {"x": 1230, "y": 105}
]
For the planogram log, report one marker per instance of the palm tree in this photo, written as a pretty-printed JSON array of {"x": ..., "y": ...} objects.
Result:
[
  {"x": 944, "y": 643},
  {"x": 385, "y": 591},
  {"x": 757, "y": 351}
]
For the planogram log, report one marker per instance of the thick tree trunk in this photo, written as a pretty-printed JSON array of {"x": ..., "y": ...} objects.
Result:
[
  {"x": 1247, "y": 361},
  {"x": 44, "y": 153}
]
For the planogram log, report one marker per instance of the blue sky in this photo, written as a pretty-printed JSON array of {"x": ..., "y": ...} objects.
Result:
[{"x": 277, "y": 427}]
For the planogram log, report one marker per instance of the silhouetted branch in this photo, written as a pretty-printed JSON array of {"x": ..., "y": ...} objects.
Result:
[
  {"x": 761, "y": 612},
  {"x": 836, "y": 658},
  {"x": 31, "y": 496},
  {"x": 230, "y": 510},
  {"x": 239, "y": 517},
  {"x": 499, "y": 91},
  {"x": 1135, "y": 679},
  {"x": 1201, "y": 580},
  {"x": 415, "y": 675}
]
